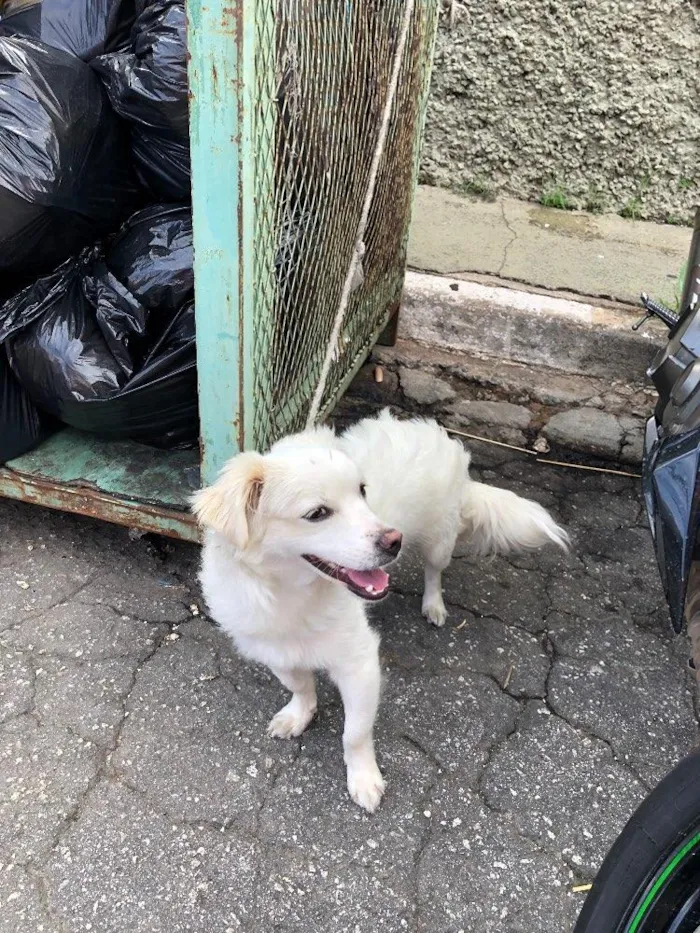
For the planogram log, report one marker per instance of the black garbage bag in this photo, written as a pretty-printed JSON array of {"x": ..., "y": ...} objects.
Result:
[
  {"x": 64, "y": 169},
  {"x": 153, "y": 257},
  {"x": 114, "y": 355},
  {"x": 147, "y": 86},
  {"x": 22, "y": 425},
  {"x": 73, "y": 334},
  {"x": 85, "y": 28},
  {"x": 158, "y": 406}
]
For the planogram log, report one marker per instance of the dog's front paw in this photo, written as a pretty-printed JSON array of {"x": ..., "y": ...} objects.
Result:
[
  {"x": 366, "y": 787},
  {"x": 290, "y": 721},
  {"x": 435, "y": 612}
]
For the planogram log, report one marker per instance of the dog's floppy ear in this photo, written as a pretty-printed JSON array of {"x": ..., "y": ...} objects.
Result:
[{"x": 228, "y": 505}]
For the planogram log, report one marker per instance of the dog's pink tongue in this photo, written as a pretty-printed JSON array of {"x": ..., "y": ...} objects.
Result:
[{"x": 364, "y": 578}]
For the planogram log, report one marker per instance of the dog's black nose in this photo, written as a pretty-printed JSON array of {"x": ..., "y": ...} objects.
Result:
[{"x": 390, "y": 541}]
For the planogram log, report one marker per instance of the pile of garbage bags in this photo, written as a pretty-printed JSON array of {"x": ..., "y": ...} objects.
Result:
[
  {"x": 147, "y": 86},
  {"x": 96, "y": 278}
]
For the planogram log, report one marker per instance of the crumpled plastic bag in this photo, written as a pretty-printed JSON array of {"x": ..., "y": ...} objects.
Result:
[
  {"x": 106, "y": 343},
  {"x": 147, "y": 86},
  {"x": 22, "y": 426},
  {"x": 153, "y": 257},
  {"x": 85, "y": 28},
  {"x": 65, "y": 178}
]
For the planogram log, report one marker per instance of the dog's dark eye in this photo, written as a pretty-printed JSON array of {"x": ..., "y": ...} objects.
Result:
[
  {"x": 363, "y": 490},
  {"x": 319, "y": 514}
]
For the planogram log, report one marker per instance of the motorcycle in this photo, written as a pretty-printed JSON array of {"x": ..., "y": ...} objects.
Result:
[{"x": 650, "y": 879}]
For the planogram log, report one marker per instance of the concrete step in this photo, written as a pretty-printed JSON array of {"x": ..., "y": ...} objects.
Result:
[{"x": 528, "y": 327}]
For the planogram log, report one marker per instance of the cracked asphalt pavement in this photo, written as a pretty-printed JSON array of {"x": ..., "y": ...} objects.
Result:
[{"x": 139, "y": 792}]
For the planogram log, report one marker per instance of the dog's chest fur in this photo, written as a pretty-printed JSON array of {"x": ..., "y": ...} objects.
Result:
[{"x": 273, "y": 621}]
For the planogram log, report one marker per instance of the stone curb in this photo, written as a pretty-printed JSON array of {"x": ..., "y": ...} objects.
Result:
[
  {"x": 533, "y": 370},
  {"x": 526, "y": 327}
]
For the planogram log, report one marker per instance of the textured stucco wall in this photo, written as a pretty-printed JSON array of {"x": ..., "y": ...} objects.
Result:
[{"x": 598, "y": 97}]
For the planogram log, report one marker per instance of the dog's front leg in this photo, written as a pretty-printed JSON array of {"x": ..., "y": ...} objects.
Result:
[
  {"x": 359, "y": 683},
  {"x": 293, "y": 718}
]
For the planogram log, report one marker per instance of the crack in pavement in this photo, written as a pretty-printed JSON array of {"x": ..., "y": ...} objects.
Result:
[
  {"x": 64, "y": 600},
  {"x": 101, "y": 772},
  {"x": 589, "y": 733},
  {"x": 429, "y": 831},
  {"x": 513, "y": 238},
  {"x": 554, "y": 855}
]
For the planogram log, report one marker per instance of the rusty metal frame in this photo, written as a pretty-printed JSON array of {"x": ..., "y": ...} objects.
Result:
[{"x": 91, "y": 502}]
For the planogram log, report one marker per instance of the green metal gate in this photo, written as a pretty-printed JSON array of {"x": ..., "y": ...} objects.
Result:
[{"x": 286, "y": 101}]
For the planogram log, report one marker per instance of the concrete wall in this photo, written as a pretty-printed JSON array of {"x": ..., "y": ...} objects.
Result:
[{"x": 594, "y": 100}]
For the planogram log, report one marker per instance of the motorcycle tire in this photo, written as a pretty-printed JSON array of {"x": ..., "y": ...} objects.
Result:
[{"x": 650, "y": 879}]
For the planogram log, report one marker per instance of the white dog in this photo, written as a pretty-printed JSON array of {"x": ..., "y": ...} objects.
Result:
[{"x": 293, "y": 551}]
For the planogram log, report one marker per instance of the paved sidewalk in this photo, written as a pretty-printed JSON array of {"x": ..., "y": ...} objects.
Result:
[
  {"x": 139, "y": 792},
  {"x": 592, "y": 254}
]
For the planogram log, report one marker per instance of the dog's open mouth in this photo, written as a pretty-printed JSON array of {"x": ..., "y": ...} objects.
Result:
[{"x": 368, "y": 584}]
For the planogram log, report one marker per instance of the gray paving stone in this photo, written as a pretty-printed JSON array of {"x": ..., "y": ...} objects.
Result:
[
  {"x": 586, "y": 429},
  {"x": 38, "y": 583},
  {"x": 78, "y": 631},
  {"x": 601, "y": 592},
  {"x": 608, "y": 511},
  {"x": 516, "y": 597},
  {"x": 504, "y": 414},
  {"x": 467, "y": 643},
  {"x": 296, "y": 896},
  {"x": 633, "y": 448},
  {"x": 22, "y": 907},
  {"x": 455, "y": 718},
  {"x": 196, "y": 742},
  {"x": 16, "y": 684},
  {"x": 44, "y": 773},
  {"x": 86, "y": 697},
  {"x": 492, "y": 588},
  {"x": 324, "y": 848},
  {"x": 153, "y": 596},
  {"x": 424, "y": 388},
  {"x": 612, "y": 639},
  {"x": 646, "y": 714}
]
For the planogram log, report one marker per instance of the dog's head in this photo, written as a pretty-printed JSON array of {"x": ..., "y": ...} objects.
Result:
[{"x": 303, "y": 505}]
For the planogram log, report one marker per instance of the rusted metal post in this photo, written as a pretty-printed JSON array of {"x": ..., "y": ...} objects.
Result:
[{"x": 221, "y": 43}]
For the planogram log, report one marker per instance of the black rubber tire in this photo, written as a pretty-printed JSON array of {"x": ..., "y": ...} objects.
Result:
[{"x": 667, "y": 817}]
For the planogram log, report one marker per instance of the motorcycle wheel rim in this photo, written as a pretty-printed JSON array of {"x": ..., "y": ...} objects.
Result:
[{"x": 677, "y": 880}]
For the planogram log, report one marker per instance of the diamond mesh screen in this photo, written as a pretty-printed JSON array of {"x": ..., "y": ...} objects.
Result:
[{"x": 322, "y": 70}]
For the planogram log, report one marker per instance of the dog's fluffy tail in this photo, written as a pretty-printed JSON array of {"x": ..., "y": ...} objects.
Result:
[{"x": 496, "y": 521}]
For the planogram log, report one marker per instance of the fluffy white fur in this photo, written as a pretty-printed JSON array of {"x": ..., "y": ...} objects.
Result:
[
  {"x": 282, "y": 611},
  {"x": 418, "y": 481},
  {"x": 418, "y": 478}
]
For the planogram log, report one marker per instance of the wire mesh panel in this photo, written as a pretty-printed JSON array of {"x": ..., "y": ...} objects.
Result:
[
  {"x": 322, "y": 71},
  {"x": 287, "y": 102}
]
